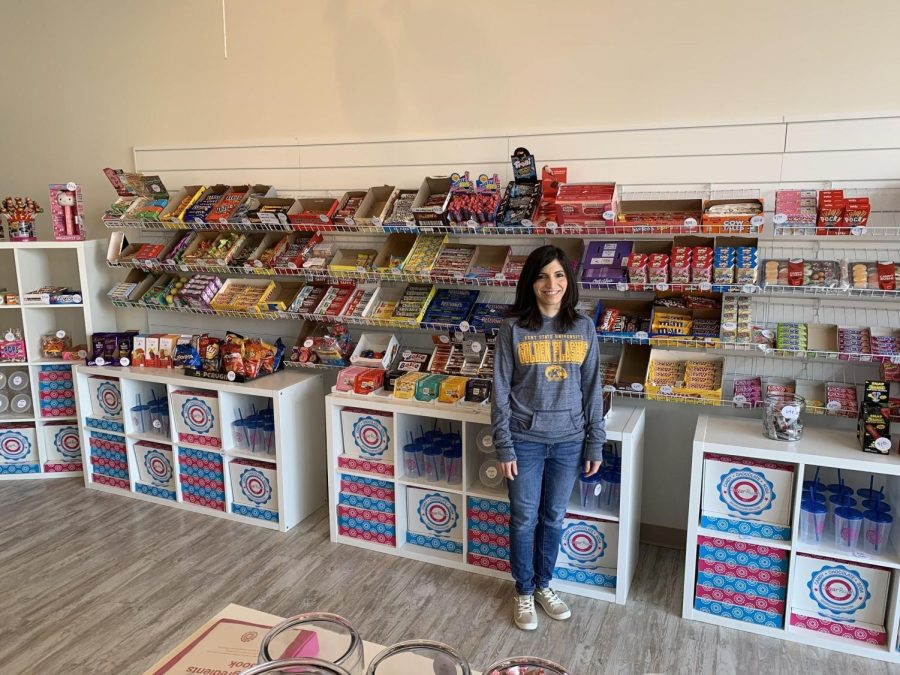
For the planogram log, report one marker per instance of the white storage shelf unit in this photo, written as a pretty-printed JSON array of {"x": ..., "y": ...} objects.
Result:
[
  {"x": 39, "y": 435},
  {"x": 194, "y": 457},
  {"x": 378, "y": 502},
  {"x": 753, "y": 572}
]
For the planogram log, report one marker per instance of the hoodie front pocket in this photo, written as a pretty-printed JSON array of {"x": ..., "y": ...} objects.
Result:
[{"x": 555, "y": 421}]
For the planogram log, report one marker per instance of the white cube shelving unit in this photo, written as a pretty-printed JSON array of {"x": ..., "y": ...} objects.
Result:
[
  {"x": 38, "y": 423},
  {"x": 375, "y": 504},
  {"x": 811, "y": 593},
  {"x": 201, "y": 467}
]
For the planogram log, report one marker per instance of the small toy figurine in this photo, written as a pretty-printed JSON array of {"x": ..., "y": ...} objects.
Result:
[
  {"x": 66, "y": 200},
  {"x": 20, "y": 213},
  {"x": 67, "y": 211}
]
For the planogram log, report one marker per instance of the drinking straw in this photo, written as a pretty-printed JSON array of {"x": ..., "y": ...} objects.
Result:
[{"x": 244, "y": 427}]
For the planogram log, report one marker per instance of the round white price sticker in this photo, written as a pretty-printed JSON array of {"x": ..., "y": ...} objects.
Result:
[
  {"x": 551, "y": 225},
  {"x": 780, "y": 218},
  {"x": 60, "y": 334},
  {"x": 740, "y": 399},
  {"x": 349, "y": 221},
  {"x": 157, "y": 424},
  {"x": 883, "y": 444},
  {"x": 642, "y": 335},
  {"x": 666, "y": 389},
  {"x": 833, "y": 406},
  {"x": 756, "y": 221},
  {"x": 637, "y": 386},
  {"x": 376, "y": 221},
  {"x": 609, "y": 215},
  {"x": 662, "y": 287},
  {"x": 621, "y": 287},
  {"x": 124, "y": 362},
  {"x": 100, "y": 361},
  {"x": 444, "y": 339},
  {"x": 464, "y": 326},
  {"x": 690, "y": 222},
  {"x": 768, "y": 334},
  {"x": 71, "y": 187},
  {"x": 323, "y": 218},
  {"x": 527, "y": 223},
  {"x": 729, "y": 326},
  {"x": 705, "y": 286},
  {"x": 857, "y": 231},
  {"x": 231, "y": 376},
  {"x": 790, "y": 412},
  {"x": 491, "y": 472},
  {"x": 308, "y": 342},
  {"x": 472, "y": 223},
  {"x": 292, "y": 265},
  {"x": 609, "y": 389},
  {"x": 9, "y": 337},
  {"x": 76, "y": 299},
  {"x": 598, "y": 488},
  {"x": 476, "y": 347},
  {"x": 748, "y": 288},
  {"x": 488, "y": 441}
]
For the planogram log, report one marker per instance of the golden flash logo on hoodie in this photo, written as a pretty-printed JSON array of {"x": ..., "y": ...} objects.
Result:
[{"x": 552, "y": 349}]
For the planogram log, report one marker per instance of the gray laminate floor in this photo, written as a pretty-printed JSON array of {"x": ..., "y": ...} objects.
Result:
[{"x": 96, "y": 583}]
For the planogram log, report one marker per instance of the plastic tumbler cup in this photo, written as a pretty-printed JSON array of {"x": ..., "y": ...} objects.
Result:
[
  {"x": 876, "y": 505},
  {"x": 412, "y": 460},
  {"x": 453, "y": 465},
  {"x": 837, "y": 501},
  {"x": 140, "y": 418},
  {"x": 847, "y": 525},
  {"x": 239, "y": 434},
  {"x": 590, "y": 490},
  {"x": 812, "y": 521},
  {"x": 253, "y": 425},
  {"x": 434, "y": 463},
  {"x": 268, "y": 437},
  {"x": 612, "y": 484},
  {"x": 876, "y": 531}
]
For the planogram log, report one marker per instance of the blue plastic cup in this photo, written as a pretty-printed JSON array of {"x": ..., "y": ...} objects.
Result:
[
  {"x": 239, "y": 434},
  {"x": 434, "y": 463},
  {"x": 590, "y": 490},
  {"x": 812, "y": 520},
  {"x": 268, "y": 437},
  {"x": 876, "y": 505},
  {"x": 413, "y": 460},
  {"x": 847, "y": 526},
  {"x": 838, "y": 500},
  {"x": 140, "y": 418},
  {"x": 453, "y": 465},
  {"x": 876, "y": 531}
]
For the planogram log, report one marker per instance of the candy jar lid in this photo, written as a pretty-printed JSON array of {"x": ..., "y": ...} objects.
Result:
[{"x": 431, "y": 657}]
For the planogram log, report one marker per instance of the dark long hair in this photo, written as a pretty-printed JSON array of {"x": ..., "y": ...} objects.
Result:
[{"x": 525, "y": 308}]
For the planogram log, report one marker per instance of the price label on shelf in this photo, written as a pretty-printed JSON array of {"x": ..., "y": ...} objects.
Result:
[
  {"x": 833, "y": 406},
  {"x": 740, "y": 399},
  {"x": 662, "y": 287},
  {"x": 857, "y": 231},
  {"x": 124, "y": 362},
  {"x": 705, "y": 286},
  {"x": 609, "y": 389},
  {"x": 230, "y": 376},
  {"x": 748, "y": 288},
  {"x": 60, "y": 334},
  {"x": 621, "y": 287},
  {"x": 641, "y": 335},
  {"x": 779, "y": 218},
  {"x": 609, "y": 215},
  {"x": 551, "y": 225},
  {"x": 690, "y": 223},
  {"x": 100, "y": 361},
  {"x": 500, "y": 276},
  {"x": 637, "y": 386},
  {"x": 349, "y": 221},
  {"x": 757, "y": 221},
  {"x": 464, "y": 326},
  {"x": 865, "y": 357},
  {"x": 895, "y": 360},
  {"x": 376, "y": 221},
  {"x": 883, "y": 444},
  {"x": 790, "y": 412},
  {"x": 666, "y": 389}
]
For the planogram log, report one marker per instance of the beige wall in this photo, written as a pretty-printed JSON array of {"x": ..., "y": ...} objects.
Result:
[{"x": 95, "y": 78}]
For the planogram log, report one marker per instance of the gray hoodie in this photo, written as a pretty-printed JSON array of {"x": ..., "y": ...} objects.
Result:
[{"x": 547, "y": 387}]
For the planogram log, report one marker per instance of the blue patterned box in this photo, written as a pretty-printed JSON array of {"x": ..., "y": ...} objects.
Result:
[
  {"x": 155, "y": 491},
  {"x": 105, "y": 424},
  {"x": 10, "y": 469},
  {"x": 747, "y": 528},
  {"x": 489, "y": 550},
  {"x": 367, "y": 503},
  {"x": 255, "y": 512},
  {"x": 585, "y": 577},
  {"x": 738, "y": 613},
  {"x": 434, "y": 543}
]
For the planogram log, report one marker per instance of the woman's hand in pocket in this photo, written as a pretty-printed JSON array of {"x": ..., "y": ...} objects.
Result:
[
  {"x": 591, "y": 467},
  {"x": 510, "y": 470}
]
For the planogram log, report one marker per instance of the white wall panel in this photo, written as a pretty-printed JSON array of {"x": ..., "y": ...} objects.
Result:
[
  {"x": 461, "y": 152},
  {"x": 283, "y": 156},
  {"x": 727, "y": 140},
  {"x": 844, "y": 135},
  {"x": 676, "y": 170},
  {"x": 842, "y": 165},
  {"x": 400, "y": 176}
]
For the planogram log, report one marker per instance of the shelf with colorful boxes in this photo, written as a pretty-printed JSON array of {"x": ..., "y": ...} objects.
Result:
[
  {"x": 39, "y": 343},
  {"x": 425, "y": 484},
  {"x": 764, "y": 554},
  {"x": 247, "y": 452}
]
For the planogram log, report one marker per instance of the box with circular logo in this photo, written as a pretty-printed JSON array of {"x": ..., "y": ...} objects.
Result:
[
  {"x": 843, "y": 599},
  {"x": 368, "y": 435},
  {"x": 18, "y": 448},
  {"x": 196, "y": 414},
  {"x": 106, "y": 396},
  {"x": 748, "y": 497},
  {"x": 254, "y": 489},
  {"x": 435, "y": 520},
  {"x": 588, "y": 551},
  {"x": 62, "y": 443}
]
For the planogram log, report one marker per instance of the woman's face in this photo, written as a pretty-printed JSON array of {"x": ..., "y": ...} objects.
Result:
[{"x": 550, "y": 287}]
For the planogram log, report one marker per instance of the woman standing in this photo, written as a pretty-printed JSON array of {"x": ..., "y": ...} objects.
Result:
[{"x": 547, "y": 418}]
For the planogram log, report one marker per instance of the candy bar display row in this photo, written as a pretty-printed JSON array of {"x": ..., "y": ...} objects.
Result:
[
  {"x": 424, "y": 482},
  {"x": 812, "y": 555},
  {"x": 826, "y": 212},
  {"x": 219, "y": 448}
]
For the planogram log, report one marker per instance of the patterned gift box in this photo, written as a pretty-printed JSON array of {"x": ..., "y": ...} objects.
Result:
[
  {"x": 254, "y": 489},
  {"x": 434, "y": 519},
  {"x": 62, "y": 442},
  {"x": 488, "y": 562},
  {"x": 847, "y": 600},
  {"x": 741, "y": 553},
  {"x": 588, "y": 552},
  {"x": 56, "y": 391},
  {"x": 747, "y": 496},
  {"x": 197, "y": 419},
  {"x": 367, "y": 487},
  {"x": 154, "y": 491},
  {"x": 18, "y": 446},
  {"x": 155, "y": 465},
  {"x": 106, "y": 396},
  {"x": 109, "y": 461},
  {"x": 105, "y": 424},
  {"x": 368, "y": 435},
  {"x": 202, "y": 478},
  {"x": 366, "y": 503},
  {"x": 737, "y": 613},
  {"x": 366, "y": 466}
]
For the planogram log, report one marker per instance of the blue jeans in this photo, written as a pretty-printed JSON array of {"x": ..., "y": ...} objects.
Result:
[{"x": 538, "y": 498}]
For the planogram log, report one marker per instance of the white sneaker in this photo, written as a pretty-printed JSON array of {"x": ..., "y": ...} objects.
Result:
[
  {"x": 524, "y": 613},
  {"x": 551, "y": 603}
]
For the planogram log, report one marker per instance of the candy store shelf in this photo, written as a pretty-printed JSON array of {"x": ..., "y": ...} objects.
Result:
[
  {"x": 4, "y": 306},
  {"x": 152, "y": 438},
  {"x": 828, "y": 548},
  {"x": 443, "y": 486},
  {"x": 365, "y": 474},
  {"x": 247, "y": 454},
  {"x": 426, "y": 554},
  {"x": 576, "y": 508},
  {"x": 68, "y": 418},
  {"x": 5, "y": 419},
  {"x": 41, "y": 305},
  {"x": 756, "y": 541}
]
